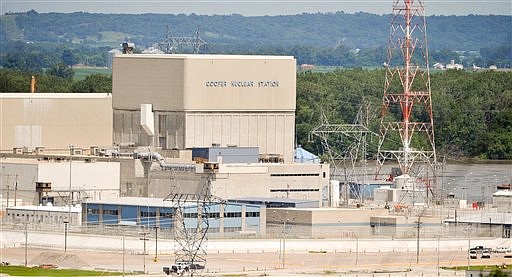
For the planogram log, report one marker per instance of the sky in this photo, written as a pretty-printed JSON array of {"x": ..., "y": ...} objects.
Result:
[{"x": 252, "y": 7}]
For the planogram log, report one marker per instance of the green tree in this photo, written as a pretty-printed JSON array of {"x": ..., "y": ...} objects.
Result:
[
  {"x": 68, "y": 58},
  {"x": 62, "y": 71},
  {"x": 97, "y": 83}
]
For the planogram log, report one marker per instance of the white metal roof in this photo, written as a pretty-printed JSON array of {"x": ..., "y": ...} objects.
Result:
[
  {"x": 205, "y": 56},
  {"x": 503, "y": 193},
  {"x": 74, "y": 209},
  {"x": 37, "y": 95}
]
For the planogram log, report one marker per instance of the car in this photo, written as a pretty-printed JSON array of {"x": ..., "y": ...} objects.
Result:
[
  {"x": 500, "y": 249},
  {"x": 508, "y": 253},
  {"x": 486, "y": 254},
  {"x": 180, "y": 267},
  {"x": 479, "y": 248},
  {"x": 472, "y": 254}
]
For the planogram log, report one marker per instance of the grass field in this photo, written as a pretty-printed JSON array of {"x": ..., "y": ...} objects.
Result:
[
  {"x": 479, "y": 267},
  {"x": 35, "y": 271},
  {"x": 81, "y": 73}
]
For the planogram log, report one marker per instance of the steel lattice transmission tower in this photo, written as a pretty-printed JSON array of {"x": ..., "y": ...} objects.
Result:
[
  {"x": 407, "y": 103},
  {"x": 171, "y": 44},
  {"x": 191, "y": 223},
  {"x": 351, "y": 156}
]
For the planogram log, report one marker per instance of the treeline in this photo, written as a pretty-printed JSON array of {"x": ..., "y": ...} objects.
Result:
[
  {"x": 59, "y": 79},
  {"x": 325, "y": 30},
  {"x": 472, "y": 110}
]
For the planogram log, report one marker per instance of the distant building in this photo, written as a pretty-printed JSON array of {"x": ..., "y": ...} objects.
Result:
[
  {"x": 110, "y": 56},
  {"x": 453, "y": 65},
  {"x": 305, "y": 66},
  {"x": 438, "y": 66},
  {"x": 152, "y": 50}
]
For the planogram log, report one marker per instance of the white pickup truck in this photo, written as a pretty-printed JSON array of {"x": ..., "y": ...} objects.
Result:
[{"x": 179, "y": 268}]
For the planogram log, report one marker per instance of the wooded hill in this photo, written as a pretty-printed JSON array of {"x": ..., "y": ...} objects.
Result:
[{"x": 360, "y": 30}]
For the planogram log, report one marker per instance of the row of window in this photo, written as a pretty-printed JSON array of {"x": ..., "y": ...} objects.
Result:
[
  {"x": 216, "y": 230},
  {"x": 293, "y": 174},
  {"x": 169, "y": 215},
  {"x": 293, "y": 190}
]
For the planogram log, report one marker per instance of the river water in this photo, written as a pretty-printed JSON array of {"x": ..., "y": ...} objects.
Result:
[{"x": 475, "y": 182}]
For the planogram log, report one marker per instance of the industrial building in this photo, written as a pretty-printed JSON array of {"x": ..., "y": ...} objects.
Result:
[
  {"x": 236, "y": 111},
  {"x": 45, "y": 215},
  {"x": 225, "y": 217},
  {"x": 59, "y": 180},
  {"x": 169, "y": 116},
  {"x": 38, "y": 122},
  {"x": 203, "y": 100}
]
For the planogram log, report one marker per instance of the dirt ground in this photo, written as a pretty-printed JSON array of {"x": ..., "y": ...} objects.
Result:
[{"x": 261, "y": 264}]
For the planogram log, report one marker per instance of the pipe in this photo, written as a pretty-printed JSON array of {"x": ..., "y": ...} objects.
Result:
[{"x": 166, "y": 166}]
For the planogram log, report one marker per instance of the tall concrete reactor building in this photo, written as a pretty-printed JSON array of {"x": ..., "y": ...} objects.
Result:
[{"x": 187, "y": 101}]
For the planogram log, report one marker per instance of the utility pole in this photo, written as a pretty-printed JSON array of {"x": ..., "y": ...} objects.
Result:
[
  {"x": 70, "y": 201},
  {"x": 284, "y": 241},
  {"x": 15, "y": 190},
  {"x": 418, "y": 226},
  {"x": 26, "y": 242},
  {"x": 144, "y": 238},
  {"x": 65, "y": 235},
  {"x": 123, "y": 253},
  {"x": 468, "y": 228},
  {"x": 438, "y": 273},
  {"x": 156, "y": 244}
]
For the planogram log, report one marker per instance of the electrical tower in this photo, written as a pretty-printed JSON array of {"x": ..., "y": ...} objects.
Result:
[
  {"x": 191, "y": 211},
  {"x": 407, "y": 103},
  {"x": 351, "y": 154},
  {"x": 171, "y": 44}
]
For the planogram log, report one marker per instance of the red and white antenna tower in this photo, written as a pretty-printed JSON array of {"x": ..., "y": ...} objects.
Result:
[{"x": 407, "y": 103}]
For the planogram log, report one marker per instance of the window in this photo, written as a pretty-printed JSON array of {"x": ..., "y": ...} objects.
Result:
[
  {"x": 232, "y": 214},
  {"x": 190, "y": 215},
  {"x": 147, "y": 214},
  {"x": 93, "y": 211},
  {"x": 166, "y": 215},
  {"x": 214, "y": 215},
  {"x": 110, "y": 212},
  {"x": 252, "y": 214}
]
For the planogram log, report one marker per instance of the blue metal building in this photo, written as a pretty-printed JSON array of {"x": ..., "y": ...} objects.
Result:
[{"x": 155, "y": 212}]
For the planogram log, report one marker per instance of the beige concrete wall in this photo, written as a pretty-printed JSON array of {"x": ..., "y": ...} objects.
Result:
[
  {"x": 94, "y": 180},
  {"x": 273, "y": 133},
  {"x": 147, "y": 79},
  {"x": 260, "y": 180},
  {"x": 55, "y": 120},
  {"x": 239, "y": 83},
  {"x": 204, "y": 82}
]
